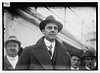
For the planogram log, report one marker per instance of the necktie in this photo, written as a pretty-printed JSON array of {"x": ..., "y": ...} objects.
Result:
[{"x": 50, "y": 50}]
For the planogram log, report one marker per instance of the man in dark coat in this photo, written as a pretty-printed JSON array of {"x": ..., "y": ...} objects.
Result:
[
  {"x": 76, "y": 59},
  {"x": 89, "y": 60},
  {"x": 48, "y": 53},
  {"x": 12, "y": 46}
]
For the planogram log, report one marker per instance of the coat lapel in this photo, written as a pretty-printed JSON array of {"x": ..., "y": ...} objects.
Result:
[
  {"x": 42, "y": 54},
  {"x": 7, "y": 64},
  {"x": 59, "y": 57},
  {"x": 58, "y": 50}
]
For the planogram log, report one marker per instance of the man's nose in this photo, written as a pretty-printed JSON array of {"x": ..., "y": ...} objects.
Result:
[
  {"x": 76, "y": 61},
  {"x": 90, "y": 60},
  {"x": 12, "y": 47},
  {"x": 52, "y": 29}
]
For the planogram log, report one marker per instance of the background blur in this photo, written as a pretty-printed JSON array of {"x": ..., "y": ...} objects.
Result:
[{"x": 79, "y": 21}]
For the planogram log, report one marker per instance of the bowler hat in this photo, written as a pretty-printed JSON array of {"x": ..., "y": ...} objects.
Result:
[
  {"x": 88, "y": 53},
  {"x": 77, "y": 52},
  {"x": 12, "y": 39},
  {"x": 50, "y": 19}
]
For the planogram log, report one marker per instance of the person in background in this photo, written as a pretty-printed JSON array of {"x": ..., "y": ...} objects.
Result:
[
  {"x": 89, "y": 60},
  {"x": 20, "y": 51},
  {"x": 76, "y": 59},
  {"x": 12, "y": 46},
  {"x": 48, "y": 53}
]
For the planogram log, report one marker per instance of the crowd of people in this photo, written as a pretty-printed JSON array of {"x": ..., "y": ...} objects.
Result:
[{"x": 48, "y": 53}]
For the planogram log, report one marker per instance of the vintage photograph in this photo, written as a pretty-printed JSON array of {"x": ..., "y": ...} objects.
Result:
[{"x": 49, "y": 36}]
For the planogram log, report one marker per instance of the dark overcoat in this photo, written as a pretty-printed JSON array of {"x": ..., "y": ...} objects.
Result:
[
  {"x": 7, "y": 65},
  {"x": 36, "y": 57}
]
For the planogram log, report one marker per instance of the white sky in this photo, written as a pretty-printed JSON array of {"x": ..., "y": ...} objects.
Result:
[{"x": 78, "y": 21}]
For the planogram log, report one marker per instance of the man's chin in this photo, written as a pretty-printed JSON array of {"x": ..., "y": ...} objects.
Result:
[
  {"x": 75, "y": 66},
  {"x": 90, "y": 66},
  {"x": 13, "y": 55},
  {"x": 52, "y": 38}
]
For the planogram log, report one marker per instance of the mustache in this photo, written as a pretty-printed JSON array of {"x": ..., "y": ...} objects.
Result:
[
  {"x": 12, "y": 50},
  {"x": 52, "y": 32},
  {"x": 76, "y": 64}
]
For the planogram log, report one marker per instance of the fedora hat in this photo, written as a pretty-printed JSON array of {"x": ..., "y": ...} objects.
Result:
[
  {"x": 12, "y": 39},
  {"x": 89, "y": 53},
  {"x": 50, "y": 19},
  {"x": 77, "y": 52}
]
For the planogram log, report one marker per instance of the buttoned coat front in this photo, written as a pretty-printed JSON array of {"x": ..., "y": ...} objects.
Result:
[{"x": 36, "y": 57}]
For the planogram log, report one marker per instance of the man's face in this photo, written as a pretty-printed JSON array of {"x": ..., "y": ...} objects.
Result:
[
  {"x": 90, "y": 61},
  {"x": 50, "y": 31},
  {"x": 12, "y": 49},
  {"x": 75, "y": 61}
]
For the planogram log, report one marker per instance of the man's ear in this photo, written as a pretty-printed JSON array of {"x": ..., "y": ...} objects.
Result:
[{"x": 43, "y": 30}]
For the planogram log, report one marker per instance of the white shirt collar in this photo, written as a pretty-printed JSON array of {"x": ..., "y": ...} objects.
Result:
[
  {"x": 13, "y": 60},
  {"x": 48, "y": 43},
  {"x": 88, "y": 68},
  {"x": 74, "y": 68}
]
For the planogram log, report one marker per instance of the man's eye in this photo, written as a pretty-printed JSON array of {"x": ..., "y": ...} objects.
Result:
[
  {"x": 49, "y": 27},
  {"x": 55, "y": 28},
  {"x": 78, "y": 60},
  {"x": 74, "y": 59},
  {"x": 88, "y": 59},
  {"x": 14, "y": 45},
  {"x": 9, "y": 45}
]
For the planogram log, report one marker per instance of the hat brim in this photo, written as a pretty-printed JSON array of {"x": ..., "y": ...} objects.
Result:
[
  {"x": 83, "y": 57},
  {"x": 16, "y": 41},
  {"x": 45, "y": 22}
]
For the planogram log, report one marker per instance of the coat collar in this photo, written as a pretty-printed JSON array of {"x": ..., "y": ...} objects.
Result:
[
  {"x": 42, "y": 54},
  {"x": 7, "y": 64}
]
